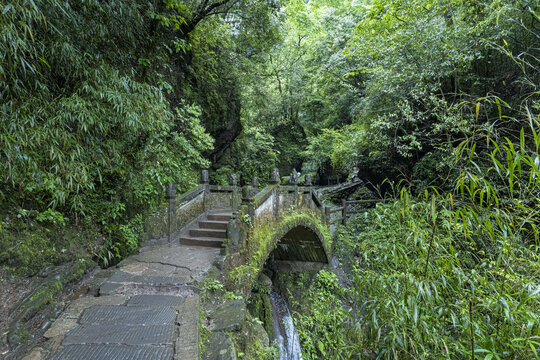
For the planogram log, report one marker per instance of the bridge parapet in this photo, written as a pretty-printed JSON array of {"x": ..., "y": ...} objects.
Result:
[{"x": 180, "y": 211}]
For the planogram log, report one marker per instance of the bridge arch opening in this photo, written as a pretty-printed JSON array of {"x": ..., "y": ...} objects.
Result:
[
  {"x": 300, "y": 243},
  {"x": 299, "y": 249}
]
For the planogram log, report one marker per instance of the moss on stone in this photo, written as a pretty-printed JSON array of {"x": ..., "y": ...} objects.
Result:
[
  {"x": 263, "y": 238},
  {"x": 260, "y": 308},
  {"x": 44, "y": 298},
  {"x": 204, "y": 333}
]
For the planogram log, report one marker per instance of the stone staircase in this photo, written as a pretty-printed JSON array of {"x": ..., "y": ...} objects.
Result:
[{"x": 210, "y": 232}]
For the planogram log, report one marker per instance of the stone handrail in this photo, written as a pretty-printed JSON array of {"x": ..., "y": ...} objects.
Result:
[
  {"x": 248, "y": 200},
  {"x": 263, "y": 195},
  {"x": 190, "y": 195}
]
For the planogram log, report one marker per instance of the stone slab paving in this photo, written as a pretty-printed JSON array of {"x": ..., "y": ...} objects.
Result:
[
  {"x": 156, "y": 300},
  {"x": 121, "y": 334},
  {"x": 116, "y": 352},
  {"x": 148, "y": 309},
  {"x": 123, "y": 315}
]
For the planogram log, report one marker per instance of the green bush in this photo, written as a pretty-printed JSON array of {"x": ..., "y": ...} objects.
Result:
[
  {"x": 323, "y": 328},
  {"x": 454, "y": 275},
  {"x": 26, "y": 253}
]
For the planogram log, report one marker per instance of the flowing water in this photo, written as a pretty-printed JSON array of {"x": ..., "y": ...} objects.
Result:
[{"x": 286, "y": 335}]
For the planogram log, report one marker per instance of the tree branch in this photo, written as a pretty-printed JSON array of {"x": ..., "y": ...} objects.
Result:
[{"x": 204, "y": 11}]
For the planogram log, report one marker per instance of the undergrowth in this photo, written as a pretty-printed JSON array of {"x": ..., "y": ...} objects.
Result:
[{"x": 440, "y": 275}]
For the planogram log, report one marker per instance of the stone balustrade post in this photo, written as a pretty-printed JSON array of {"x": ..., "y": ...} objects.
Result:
[
  {"x": 204, "y": 177},
  {"x": 249, "y": 200},
  {"x": 344, "y": 212},
  {"x": 206, "y": 183},
  {"x": 234, "y": 192},
  {"x": 274, "y": 180},
  {"x": 171, "y": 198},
  {"x": 307, "y": 189},
  {"x": 294, "y": 181},
  {"x": 327, "y": 214},
  {"x": 255, "y": 184}
]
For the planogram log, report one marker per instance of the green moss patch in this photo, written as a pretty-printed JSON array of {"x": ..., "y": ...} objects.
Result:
[{"x": 263, "y": 238}]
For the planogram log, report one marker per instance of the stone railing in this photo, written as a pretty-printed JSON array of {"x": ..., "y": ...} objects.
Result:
[
  {"x": 182, "y": 210},
  {"x": 247, "y": 200},
  {"x": 268, "y": 204}
]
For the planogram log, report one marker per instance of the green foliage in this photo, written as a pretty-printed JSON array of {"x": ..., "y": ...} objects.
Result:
[
  {"x": 260, "y": 307},
  {"x": 453, "y": 275},
  {"x": 214, "y": 287},
  {"x": 204, "y": 333},
  {"x": 88, "y": 136},
  {"x": 417, "y": 70},
  {"x": 255, "y": 153},
  {"x": 30, "y": 252},
  {"x": 322, "y": 330},
  {"x": 52, "y": 216},
  {"x": 43, "y": 245}
]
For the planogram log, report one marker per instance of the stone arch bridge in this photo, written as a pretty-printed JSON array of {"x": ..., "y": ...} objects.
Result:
[
  {"x": 149, "y": 307},
  {"x": 286, "y": 223}
]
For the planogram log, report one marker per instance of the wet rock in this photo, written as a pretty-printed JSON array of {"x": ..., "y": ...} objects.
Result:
[
  {"x": 256, "y": 331},
  {"x": 220, "y": 347},
  {"x": 265, "y": 281},
  {"x": 228, "y": 316},
  {"x": 34, "y": 355}
]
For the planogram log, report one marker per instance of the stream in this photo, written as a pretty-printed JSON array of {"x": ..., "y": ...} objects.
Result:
[{"x": 285, "y": 333}]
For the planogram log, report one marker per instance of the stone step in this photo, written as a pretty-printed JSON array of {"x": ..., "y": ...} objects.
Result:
[
  {"x": 215, "y": 233},
  {"x": 136, "y": 335},
  {"x": 201, "y": 241},
  {"x": 219, "y": 216},
  {"x": 212, "y": 224},
  {"x": 114, "y": 351},
  {"x": 123, "y": 315}
]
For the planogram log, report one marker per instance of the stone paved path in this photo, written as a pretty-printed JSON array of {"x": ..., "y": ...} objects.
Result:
[{"x": 148, "y": 309}]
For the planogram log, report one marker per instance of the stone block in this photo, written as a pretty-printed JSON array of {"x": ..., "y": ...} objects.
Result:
[
  {"x": 187, "y": 342},
  {"x": 228, "y": 316},
  {"x": 60, "y": 327},
  {"x": 220, "y": 347}
]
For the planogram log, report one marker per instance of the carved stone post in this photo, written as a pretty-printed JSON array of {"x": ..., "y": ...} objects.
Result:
[
  {"x": 344, "y": 212},
  {"x": 206, "y": 182},
  {"x": 248, "y": 199},
  {"x": 232, "y": 183},
  {"x": 307, "y": 189},
  {"x": 274, "y": 177},
  {"x": 171, "y": 197},
  {"x": 204, "y": 177},
  {"x": 327, "y": 214},
  {"x": 354, "y": 174},
  {"x": 255, "y": 184},
  {"x": 274, "y": 180},
  {"x": 294, "y": 181}
]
